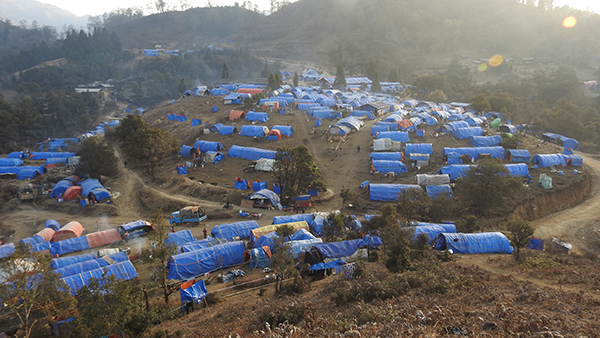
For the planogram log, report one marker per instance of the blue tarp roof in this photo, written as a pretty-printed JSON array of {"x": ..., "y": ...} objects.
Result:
[
  {"x": 495, "y": 152},
  {"x": 38, "y": 155},
  {"x": 16, "y": 154},
  {"x": 517, "y": 169},
  {"x": 386, "y": 166},
  {"x": 431, "y": 121},
  {"x": 388, "y": 192},
  {"x": 61, "y": 262},
  {"x": 456, "y": 171},
  {"x": 284, "y": 130},
  {"x": 301, "y": 245},
  {"x": 35, "y": 239},
  {"x": 576, "y": 160},
  {"x": 330, "y": 265},
  {"x": 255, "y": 116},
  {"x": 351, "y": 122},
  {"x": 248, "y": 153},
  {"x": 195, "y": 263},
  {"x": 566, "y": 141},
  {"x": 432, "y": 231},
  {"x": 547, "y": 160},
  {"x": 362, "y": 113},
  {"x": 6, "y": 250},
  {"x": 381, "y": 128},
  {"x": 452, "y": 126},
  {"x": 53, "y": 224},
  {"x": 390, "y": 156},
  {"x": 486, "y": 242},
  {"x": 69, "y": 245},
  {"x": 194, "y": 293},
  {"x": 242, "y": 230},
  {"x": 131, "y": 226},
  {"x": 465, "y": 133},
  {"x": 254, "y": 131},
  {"x": 474, "y": 121},
  {"x": 268, "y": 194},
  {"x": 201, "y": 244},
  {"x": 486, "y": 141},
  {"x": 10, "y": 162},
  {"x": 56, "y": 160},
  {"x": 340, "y": 249},
  {"x": 205, "y": 146},
  {"x": 121, "y": 271},
  {"x": 184, "y": 151},
  {"x": 418, "y": 148},
  {"x": 293, "y": 218},
  {"x": 78, "y": 268},
  {"x": 399, "y": 136},
  {"x": 180, "y": 237},
  {"x": 448, "y": 227},
  {"x": 59, "y": 189},
  {"x": 519, "y": 155},
  {"x": 93, "y": 186},
  {"x": 434, "y": 191},
  {"x": 23, "y": 172}
]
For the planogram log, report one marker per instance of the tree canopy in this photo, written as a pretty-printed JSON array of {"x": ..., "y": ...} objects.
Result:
[{"x": 295, "y": 170}]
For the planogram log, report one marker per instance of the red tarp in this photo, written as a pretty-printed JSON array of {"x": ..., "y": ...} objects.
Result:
[
  {"x": 251, "y": 91},
  {"x": 102, "y": 238},
  {"x": 405, "y": 124},
  {"x": 70, "y": 230},
  {"x": 46, "y": 234},
  {"x": 71, "y": 193},
  {"x": 236, "y": 114}
]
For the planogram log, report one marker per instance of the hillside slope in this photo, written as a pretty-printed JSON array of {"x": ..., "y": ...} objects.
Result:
[{"x": 42, "y": 13}]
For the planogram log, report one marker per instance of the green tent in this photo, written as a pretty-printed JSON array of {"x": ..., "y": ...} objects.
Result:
[{"x": 496, "y": 123}]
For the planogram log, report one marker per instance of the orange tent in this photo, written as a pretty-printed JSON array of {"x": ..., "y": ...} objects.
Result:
[
  {"x": 251, "y": 91},
  {"x": 236, "y": 114},
  {"x": 71, "y": 193},
  {"x": 69, "y": 230},
  {"x": 46, "y": 234},
  {"x": 102, "y": 238},
  {"x": 275, "y": 135},
  {"x": 405, "y": 124}
]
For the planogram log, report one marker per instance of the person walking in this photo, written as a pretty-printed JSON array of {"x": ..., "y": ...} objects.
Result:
[
  {"x": 358, "y": 149},
  {"x": 205, "y": 232}
]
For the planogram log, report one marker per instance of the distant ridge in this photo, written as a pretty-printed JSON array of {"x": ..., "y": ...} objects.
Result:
[{"x": 43, "y": 14}]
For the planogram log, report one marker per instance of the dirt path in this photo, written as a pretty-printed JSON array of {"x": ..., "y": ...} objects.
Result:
[{"x": 570, "y": 224}]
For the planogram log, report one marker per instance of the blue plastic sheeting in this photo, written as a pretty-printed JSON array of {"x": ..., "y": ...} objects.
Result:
[
  {"x": 351, "y": 122},
  {"x": 373, "y": 242},
  {"x": 195, "y": 263},
  {"x": 519, "y": 155},
  {"x": 293, "y": 218},
  {"x": 330, "y": 265},
  {"x": 241, "y": 184},
  {"x": 485, "y": 242},
  {"x": 431, "y": 121},
  {"x": 547, "y": 160},
  {"x": 454, "y": 158},
  {"x": 248, "y": 153},
  {"x": 266, "y": 240},
  {"x": 379, "y": 129},
  {"x": 259, "y": 258},
  {"x": 171, "y": 117},
  {"x": 434, "y": 191},
  {"x": 456, "y": 117},
  {"x": 28, "y": 171},
  {"x": 184, "y": 151},
  {"x": 452, "y": 126},
  {"x": 517, "y": 169},
  {"x": 254, "y": 116},
  {"x": 180, "y": 237},
  {"x": 132, "y": 226},
  {"x": 495, "y": 152},
  {"x": 393, "y": 126},
  {"x": 474, "y": 121},
  {"x": 46, "y": 155},
  {"x": 389, "y": 192},
  {"x": 215, "y": 127},
  {"x": 6, "y": 250},
  {"x": 299, "y": 246},
  {"x": 61, "y": 262},
  {"x": 340, "y": 249},
  {"x": 205, "y": 146},
  {"x": 359, "y": 113},
  {"x": 286, "y": 131},
  {"x": 56, "y": 160},
  {"x": 486, "y": 141},
  {"x": 576, "y": 160},
  {"x": 218, "y": 157},
  {"x": 254, "y": 131},
  {"x": 88, "y": 185},
  {"x": 78, "y": 268},
  {"x": 399, "y": 136},
  {"x": 389, "y": 156},
  {"x": 27, "y": 174},
  {"x": 419, "y": 148},
  {"x": 10, "y": 162},
  {"x": 69, "y": 245},
  {"x": 465, "y": 133},
  {"x": 121, "y": 271},
  {"x": 432, "y": 231},
  {"x": 226, "y": 130},
  {"x": 201, "y": 244},
  {"x": 385, "y": 166},
  {"x": 302, "y": 234},
  {"x": 268, "y": 194},
  {"x": 258, "y": 186},
  {"x": 456, "y": 171},
  {"x": 181, "y": 170},
  {"x": 35, "y": 239},
  {"x": 368, "y": 217},
  {"x": 16, "y": 154},
  {"x": 219, "y": 92},
  {"x": 448, "y": 227},
  {"x": 196, "y": 122},
  {"x": 194, "y": 293},
  {"x": 566, "y": 142},
  {"x": 241, "y": 230},
  {"x": 60, "y": 188},
  {"x": 536, "y": 244}
]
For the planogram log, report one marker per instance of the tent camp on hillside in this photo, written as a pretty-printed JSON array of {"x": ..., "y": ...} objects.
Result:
[{"x": 476, "y": 243}]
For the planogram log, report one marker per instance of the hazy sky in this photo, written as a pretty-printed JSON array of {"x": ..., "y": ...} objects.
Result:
[{"x": 80, "y": 8}]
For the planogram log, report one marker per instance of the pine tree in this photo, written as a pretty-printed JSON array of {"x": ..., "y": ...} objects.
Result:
[
  {"x": 376, "y": 85},
  {"x": 225, "y": 71},
  {"x": 295, "y": 79},
  {"x": 340, "y": 78}
]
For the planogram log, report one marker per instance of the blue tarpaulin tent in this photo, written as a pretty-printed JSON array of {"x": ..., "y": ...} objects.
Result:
[
  {"x": 561, "y": 140},
  {"x": 201, "y": 244},
  {"x": 485, "y": 242},
  {"x": 448, "y": 227},
  {"x": 205, "y": 146},
  {"x": 241, "y": 184},
  {"x": 23, "y": 172},
  {"x": 69, "y": 245},
  {"x": 214, "y": 156},
  {"x": 454, "y": 158},
  {"x": 241, "y": 230},
  {"x": 431, "y": 121},
  {"x": 286, "y": 131},
  {"x": 517, "y": 169},
  {"x": 195, "y": 263},
  {"x": 389, "y": 156},
  {"x": 255, "y": 116},
  {"x": 194, "y": 293},
  {"x": 536, "y": 244},
  {"x": 180, "y": 237},
  {"x": 340, "y": 249},
  {"x": 267, "y": 194},
  {"x": 78, "y": 268},
  {"x": 576, "y": 160},
  {"x": 507, "y": 128},
  {"x": 181, "y": 118},
  {"x": 93, "y": 186},
  {"x": 184, "y": 151},
  {"x": 351, "y": 122},
  {"x": 434, "y": 191},
  {"x": 59, "y": 188},
  {"x": 61, "y": 262},
  {"x": 10, "y": 162},
  {"x": 259, "y": 257},
  {"x": 254, "y": 131},
  {"x": 16, "y": 154},
  {"x": 293, "y": 218},
  {"x": 465, "y": 133},
  {"x": 495, "y": 152},
  {"x": 171, "y": 117},
  {"x": 389, "y": 192},
  {"x": 52, "y": 224},
  {"x": 6, "y": 250},
  {"x": 121, "y": 271},
  {"x": 547, "y": 160},
  {"x": 486, "y": 141},
  {"x": 182, "y": 170},
  {"x": 46, "y": 155},
  {"x": 419, "y": 148},
  {"x": 385, "y": 166},
  {"x": 399, "y": 136},
  {"x": 455, "y": 171},
  {"x": 381, "y": 128},
  {"x": 432, "y": 231},
  {"x": 519, "y": 155},
  {"x": 452, "y": 126},
  {"x": 259, "y": 185},
  {"x": 248, "y": 153},
  {"x": 196, "y": 122},
  {"x": 299, "y": 246}
]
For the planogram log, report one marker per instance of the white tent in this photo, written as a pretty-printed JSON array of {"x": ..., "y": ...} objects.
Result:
[
  {"x": 423, "y": 179},
  {"x": 264, "y": 164}
]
